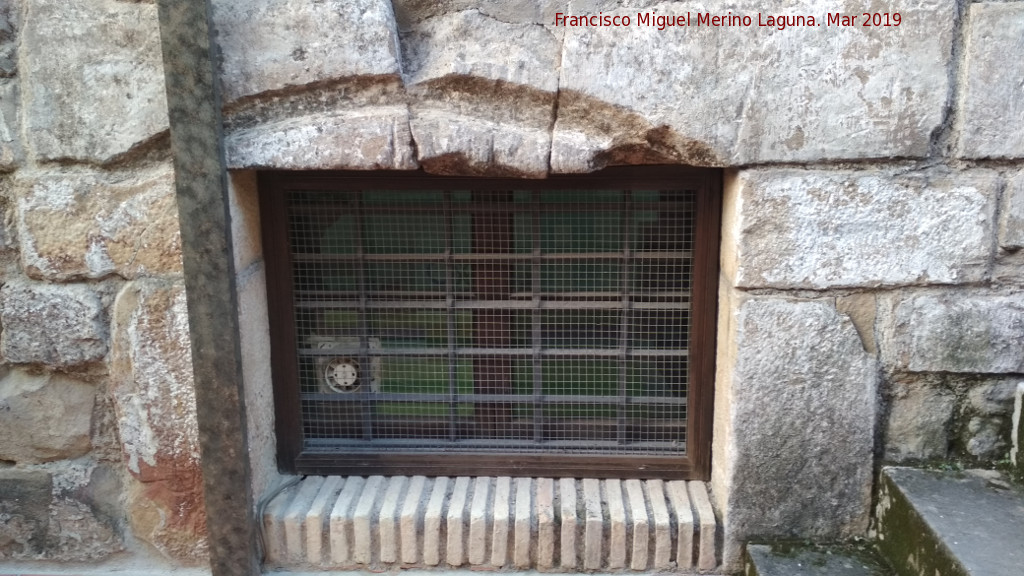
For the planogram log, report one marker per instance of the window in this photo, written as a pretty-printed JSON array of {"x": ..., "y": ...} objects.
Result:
[{"x": 442, "y": 325}]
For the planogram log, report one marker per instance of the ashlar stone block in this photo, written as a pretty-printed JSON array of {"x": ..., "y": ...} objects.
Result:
[
  {"x": 10, "y": 15},
  {"x": 976, "y": 333},
  {"x": 44, "y": 417},
  {"x": 985, "y": 437},
  {"x": 85, "y": 514},
  {"x": 1011, "y": 222},
  {"x": 817, "y": 230},
  {"x": 741, "y": 94},
  {"x": 462, "y": 44},
  {"x": 11, "y": 154},
  {"x": 92, "y": 78},
  {"x": 992, "y": 106},
  {"x": 25, "y": 499},
  {"x": 920, "y": 413},
  {"x": 409, "y": 12},
  {"x": 801, "y": 423},
  {"x": 55, "y": 325},
  {"x": 993, "y": 397},
  {"x": 151, "y": 382},
  {"x": 74, "y": 226},
  {"x": 273, "y": 45}
]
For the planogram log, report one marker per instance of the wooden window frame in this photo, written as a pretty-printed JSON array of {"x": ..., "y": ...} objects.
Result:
[{"x": 291, "y": 456}]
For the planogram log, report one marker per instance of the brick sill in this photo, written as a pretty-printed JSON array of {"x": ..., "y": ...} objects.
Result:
[{"x": 491, "y": 523}]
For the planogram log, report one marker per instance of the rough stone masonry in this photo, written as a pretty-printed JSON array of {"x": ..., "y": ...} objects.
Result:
[{"x": 872, "y": 287}]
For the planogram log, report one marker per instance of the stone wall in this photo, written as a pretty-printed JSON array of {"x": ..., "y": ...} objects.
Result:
[
  {"x": 872, "y": 278},
  {"x": 99, "y": 457},
  {"x": 873, "y": 238}
]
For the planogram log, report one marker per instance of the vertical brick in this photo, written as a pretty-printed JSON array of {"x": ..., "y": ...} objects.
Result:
[
  {"x": 387, "y": 522},
  {"x": 707, "y": 523},
  {"x": 616, "y": 524},
  {"x": 409, "y": 519},
  {"x": 318, "y": 514},
  {"x": 499, "y": 537},
  {"x": 594, "y": 524},
  {"x": 478, "y": 521},
  {"x": 662, "y": 525},
  {"x": 362, "y": 521},
  {"x": 273, "y": 524},
  {"x": 567, "y": 501},
  {"x": 544, "y": 507},
  {"x": 456, "y": 550},
  {"x": 341, "y": 535},
  {"x": 521, "y": 554},
  {"x": 684, "y": 520},
  {"x": 295, "y": 517},
  {"x": 641, "y": 532},
  {"x": 432, "y": 522}
]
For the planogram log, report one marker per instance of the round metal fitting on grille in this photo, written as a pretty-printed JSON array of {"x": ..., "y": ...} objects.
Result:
[{"x": 342, "y": 375}]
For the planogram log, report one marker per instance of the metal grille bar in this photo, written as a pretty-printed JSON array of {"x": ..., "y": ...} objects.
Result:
[
  {"x": 447, "y": 256},
  {"x": 534, "y": 304},
  {"x": 460, "y": 351},
  {"x": 578, "y": 446},
  {"x": 514, "y": 398}
]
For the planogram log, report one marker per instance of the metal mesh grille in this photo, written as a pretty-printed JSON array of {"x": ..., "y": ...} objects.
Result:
[{"x": 523, "y": 321}]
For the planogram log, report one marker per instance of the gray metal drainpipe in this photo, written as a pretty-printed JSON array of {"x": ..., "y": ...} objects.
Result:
[{"x": 193, "y": 103}]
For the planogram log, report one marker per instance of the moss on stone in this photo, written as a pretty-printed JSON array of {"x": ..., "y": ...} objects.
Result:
[
  {"x": 818, "y": 555},
  {"x": 907, "y": 541}
]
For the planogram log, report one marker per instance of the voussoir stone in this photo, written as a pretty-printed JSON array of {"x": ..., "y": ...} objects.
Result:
[
  {"x": 373, "y": 139},
  {"x": 957, "y": 333},
  {"x": 151, "y": 383},
  {"x": 271, "y": 45},
  {"x": 75, "y": 226},
  {"x": 736, "y": 94},
  {"x": 44, "y": 417},
  {"x": 449, "y": 143},
  {"x": 816, "y": 230},
  {"x": 56, "y": 325},
  {"x": 92, "y": 78},
  {"x": 476, "y": 108},
  {"x": 992, "y": 106},
  {"x": 802, "y": 420}
]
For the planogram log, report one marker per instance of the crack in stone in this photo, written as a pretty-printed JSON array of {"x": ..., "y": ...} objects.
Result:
[
  {"x": 477, "y": 10},
  {"x": 993, "y": 256},
  {"x": 943, "y": 139}
]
